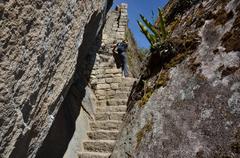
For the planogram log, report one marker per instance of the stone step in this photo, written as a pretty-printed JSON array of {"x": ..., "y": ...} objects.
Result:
[
  {"x": 101, "y": 103},
  {"x": 99, "y": 145},
  {"x": 93, "y": 155},
  {"x": 101, "y": 116},
  {"x": 125, "y": 89},
  {"x": 112, "y": 102},
  {"x": 105, "y": 125},
  {"x": 121, "y": 95},
  {"x": 127, "y": 82},
  {"x": 113, "y": 71},
  {"x": 129, "y": 79},
  {"x": 120, "y": 86},
  {"x": 116, "y": 102},
  {"x": 114, "y": 80},
  {"x": 103, "y": 135},
  {"x": 121, "y": 108},
  {"x": 100, "y": 76}
]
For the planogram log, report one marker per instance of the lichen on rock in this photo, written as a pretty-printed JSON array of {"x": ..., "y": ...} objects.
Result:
[{"x": 196, "y": 112}]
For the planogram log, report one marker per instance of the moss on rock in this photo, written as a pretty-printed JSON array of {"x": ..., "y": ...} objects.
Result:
[
  {"x": 145, "y": 98},
  {"x": 146, "y": 129},
  {"x": 162, "y": 79}
]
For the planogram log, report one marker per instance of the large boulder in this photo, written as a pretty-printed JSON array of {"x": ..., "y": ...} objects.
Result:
[{"x": 44, "y": 46}]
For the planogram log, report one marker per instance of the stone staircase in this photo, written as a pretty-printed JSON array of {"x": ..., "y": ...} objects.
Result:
[{"x": 112, "y": 91}]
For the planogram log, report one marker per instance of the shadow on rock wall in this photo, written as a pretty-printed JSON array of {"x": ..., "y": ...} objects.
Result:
[{"x": 63, "y": 126}]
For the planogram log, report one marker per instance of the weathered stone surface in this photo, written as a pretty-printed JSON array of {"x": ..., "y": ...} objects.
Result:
[
  {"x": 103, "y": 86},
  {"x": 114, "y": 80},
  {"x": 82, "y": 126},
  {"x": 99, "y": 145},
  {"x": 41, "y": 46},
  {"x": 112, "y": 71},
  {"x": 111, "y": 92},
  {"x": 101, "y": 97},
  {"x": 102, "y": 103},
  {"x": 94, "y": 155},
  {"x": 105, "y": 125},
  {"x": 100, "y": 116},
  {"x": 114, "y": 86},
  {"x": 97, "y": 81},
  {"x": 119, "y": 108},
  {"x": 197, "y": 112},
  {"x": 100, "y": 92},
  {"x": 134, "y": 57},
  {"x": 116, "y": 102},
  {"x": 122, "y": 95},
  {"x": 89, "y": 102},
  {"x": 127, "y": 82},
  {"x": 103, "y": 135}
]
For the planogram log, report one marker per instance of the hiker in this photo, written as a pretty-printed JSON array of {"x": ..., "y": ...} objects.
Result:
[{"x": 121, "y": 48}]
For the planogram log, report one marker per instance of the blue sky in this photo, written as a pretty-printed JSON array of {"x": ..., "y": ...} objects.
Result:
[{"x": 145, "y": 7}]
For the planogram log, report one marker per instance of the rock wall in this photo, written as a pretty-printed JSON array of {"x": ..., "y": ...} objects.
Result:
[
  {"x": 189, "y": 104},
  {"x": 135, "y": 59},
  {"x": 44, "y": 47}
]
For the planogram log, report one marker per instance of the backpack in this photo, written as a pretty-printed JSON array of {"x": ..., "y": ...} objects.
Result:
[{"x": 122, "y": 47}]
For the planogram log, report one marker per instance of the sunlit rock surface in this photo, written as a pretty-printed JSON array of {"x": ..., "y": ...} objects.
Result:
[
  {"x": 193, "y": 106},
  {"x": 44, "y": 45}
]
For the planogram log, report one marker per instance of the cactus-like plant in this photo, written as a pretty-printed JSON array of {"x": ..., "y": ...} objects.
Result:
[
  {"x": 162, "y": 27},
  {"x": 149, "y": 25},
  {"x": 150, "y": 37},
  {"x": 154, "y": 34}
]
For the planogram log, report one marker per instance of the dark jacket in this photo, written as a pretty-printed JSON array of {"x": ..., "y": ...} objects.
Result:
[{"x": 122, "y": 47}]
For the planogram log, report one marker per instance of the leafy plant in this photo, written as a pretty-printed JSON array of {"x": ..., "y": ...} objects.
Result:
[
  {"x": 155, "y": 34},
  {"x": 150, "y": 37},
  {"x": 162, "y": 25}
]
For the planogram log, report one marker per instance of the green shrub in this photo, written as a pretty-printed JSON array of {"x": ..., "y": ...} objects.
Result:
[{"x": 154, "y": 34}]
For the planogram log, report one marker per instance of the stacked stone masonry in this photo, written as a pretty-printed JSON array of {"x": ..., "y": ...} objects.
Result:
[
  {"x": 116, "y": 24},
  {"x": 111, "y": 90}
]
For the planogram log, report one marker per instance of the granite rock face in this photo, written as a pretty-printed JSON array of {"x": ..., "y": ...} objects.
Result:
[
  {"x": 190, "y": 107},
  {"x": 44, "y": 47}
]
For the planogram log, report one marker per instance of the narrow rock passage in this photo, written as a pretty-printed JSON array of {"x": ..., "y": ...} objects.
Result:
[{"x": 112, "y": 91}]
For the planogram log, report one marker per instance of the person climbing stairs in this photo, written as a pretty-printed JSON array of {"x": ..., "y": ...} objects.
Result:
[{"x": 112, "y": 91}]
